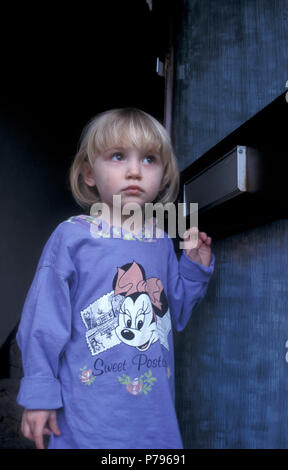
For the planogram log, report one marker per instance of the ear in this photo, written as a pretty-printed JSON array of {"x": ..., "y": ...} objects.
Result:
[{"x": 87, "y": 174}]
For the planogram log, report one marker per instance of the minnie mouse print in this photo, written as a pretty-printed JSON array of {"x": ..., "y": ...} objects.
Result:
[{"x": 135, "y": 312}]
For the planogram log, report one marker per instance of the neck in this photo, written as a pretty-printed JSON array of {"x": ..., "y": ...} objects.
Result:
[{"x": 132, "y": 220}]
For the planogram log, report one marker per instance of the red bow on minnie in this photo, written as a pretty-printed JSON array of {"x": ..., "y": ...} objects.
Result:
[{"x": 131, "y": 281}]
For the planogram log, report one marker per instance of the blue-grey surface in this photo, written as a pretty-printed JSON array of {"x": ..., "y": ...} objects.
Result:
[
  {"x": 230, "y": 61},
  {"x": 232, "y": 377}
]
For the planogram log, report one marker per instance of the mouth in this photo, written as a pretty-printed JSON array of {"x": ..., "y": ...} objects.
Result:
[
  {"x": 144, "y": 346},
  {"x": 133, "y": 189}
]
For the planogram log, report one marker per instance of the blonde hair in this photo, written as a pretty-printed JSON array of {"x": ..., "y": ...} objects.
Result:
[{"x": 122, "y": 127}]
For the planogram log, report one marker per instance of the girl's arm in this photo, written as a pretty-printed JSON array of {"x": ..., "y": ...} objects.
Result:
[
  {"x": 188, "y": 279},
  {"x": 43, "y": 333}
]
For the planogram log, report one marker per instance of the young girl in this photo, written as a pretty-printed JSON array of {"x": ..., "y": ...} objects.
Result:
[{"x": 96, "y": 327}]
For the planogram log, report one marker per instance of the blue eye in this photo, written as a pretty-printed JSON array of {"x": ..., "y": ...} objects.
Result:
[
  {"x": 150, "y": 159},
  {"x": 117, "y": 156}
]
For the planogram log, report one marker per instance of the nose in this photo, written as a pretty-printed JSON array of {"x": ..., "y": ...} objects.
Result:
[
  {"x": 133, "y": 168},
  {"x": 127, "y": 334}
]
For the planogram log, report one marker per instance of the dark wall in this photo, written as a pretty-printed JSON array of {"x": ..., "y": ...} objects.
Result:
[
  {"x": 59, "y": 69},
  {"x": 230, "y": 62},
  {"x": 34, "y": 198},
  {"x": 232, "y": 384}
]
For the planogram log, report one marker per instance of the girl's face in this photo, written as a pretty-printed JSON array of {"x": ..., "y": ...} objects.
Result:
[{"x": 133, "y": 174}]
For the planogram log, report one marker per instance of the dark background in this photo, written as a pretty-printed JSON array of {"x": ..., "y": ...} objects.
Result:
[{"x": 60, "y": 67}]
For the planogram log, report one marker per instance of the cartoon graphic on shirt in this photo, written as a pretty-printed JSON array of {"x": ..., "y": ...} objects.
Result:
[
  {"x": 135, "y": 312},
  {"x": 145, "y": 301}
]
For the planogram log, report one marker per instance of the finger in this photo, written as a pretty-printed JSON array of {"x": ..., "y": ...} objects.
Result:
[
  {"x": 26, "y": 427},
  {"x": 38, "y": 439},
  {"x": 38, "y": 436},
  {"x": 191, "y": 243},
  {"x": 191, "y": 231},
  {"x": 191, "y": 238},
  {"x": 46, "y": 431},
  {"x": 203, "y": 236},
  {"x": 26, "y": 431},
  {"x": 52, "y": 421}
]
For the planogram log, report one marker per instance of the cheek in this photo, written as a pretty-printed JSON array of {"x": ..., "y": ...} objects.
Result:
[
  {"x": 159, "y": 175},
  {"x": 156, "y": 180},
  {"x": 106, "y": 186},
  {"x": 103, "y": 174},
  {"x": 110, "y": 180}
]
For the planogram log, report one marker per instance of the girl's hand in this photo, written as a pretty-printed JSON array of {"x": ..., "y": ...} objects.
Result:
[
  {"x": 197, "y": 246},
  {"x": 33, "y": 425}
]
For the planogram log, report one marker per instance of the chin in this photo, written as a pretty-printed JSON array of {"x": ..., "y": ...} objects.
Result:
[{"x": 132, "y": 200}]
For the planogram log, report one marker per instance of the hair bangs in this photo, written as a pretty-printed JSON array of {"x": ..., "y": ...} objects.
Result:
[{"x": 126, "y": 128}]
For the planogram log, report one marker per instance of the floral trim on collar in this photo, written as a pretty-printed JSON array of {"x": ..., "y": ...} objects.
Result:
[{"x": 100, "y": 229}]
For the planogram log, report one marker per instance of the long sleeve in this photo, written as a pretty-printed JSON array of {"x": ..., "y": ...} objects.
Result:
[
  {"x": 187, "y": 285},
  {"x": 43, "y": 332},
  {"x": 45, "y": 325}
]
